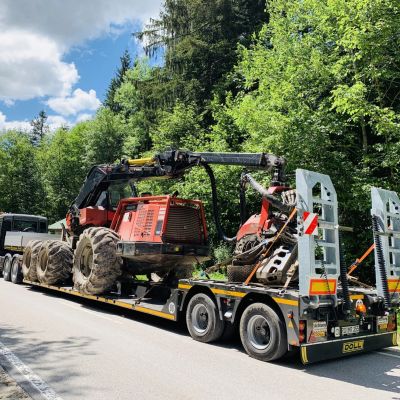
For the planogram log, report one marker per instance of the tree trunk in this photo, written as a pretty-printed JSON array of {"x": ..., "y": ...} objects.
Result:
[{"x": 364, "y": 135}]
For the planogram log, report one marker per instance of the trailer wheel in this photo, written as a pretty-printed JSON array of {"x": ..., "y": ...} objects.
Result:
[
  {"x": 54, "y": 262},
  {"x": 7, "y": 267},
  {"x": 30, "y": 259},
  {"x": 238, "y": 273},
  {"x": 202, "y": 319},
  {"x": 263, "y": 333},
  {"x": 16, "y": 270},
  {"x": 96, "y": 264}
]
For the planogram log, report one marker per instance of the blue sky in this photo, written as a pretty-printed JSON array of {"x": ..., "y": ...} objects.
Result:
[{"x": 60, "y": 56}]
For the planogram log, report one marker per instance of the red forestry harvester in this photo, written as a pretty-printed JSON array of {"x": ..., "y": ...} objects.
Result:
[{"x": 115, "y": 234}]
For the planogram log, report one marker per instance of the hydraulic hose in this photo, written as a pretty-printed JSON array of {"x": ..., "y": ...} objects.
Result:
[
  {"x": 253, "y": 253},
  {"x": 343, "y": 276},
  {"x": 272, "y": 199},
  {"x": 242, "y": 202},
  {"x": 216, "y": 213},
  {"x": 381, "y": 260}
]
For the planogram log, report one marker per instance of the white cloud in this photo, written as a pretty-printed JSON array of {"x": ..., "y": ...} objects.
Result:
[
  {"x": 74, "y": 104},
  {"x": 84, "y": 117},
  {"x": 56, "y": 121},
  {"x": 31, "y": 67},
  {"x": 53, "y": 121},
  {"x": 73, "y": 21},
  {"x": 35, "y": 35},
  {"x": 13, "y": 125}
]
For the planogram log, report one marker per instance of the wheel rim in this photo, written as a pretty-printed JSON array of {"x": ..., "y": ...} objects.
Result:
[
  {"x": 200, "y": 319},
  {"x": 86, "y": 260},
  {"x": 7, "y": 266},
  {"x": 259, "y": 332},
  {"x": 14, "y": 270}
]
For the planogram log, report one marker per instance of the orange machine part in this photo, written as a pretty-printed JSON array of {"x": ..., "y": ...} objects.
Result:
[
  {"x": 144, "y": 219},
  {"x": 95, "y": 216}
]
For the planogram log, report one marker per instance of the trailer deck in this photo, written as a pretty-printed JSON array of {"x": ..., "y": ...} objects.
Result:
[{"x": 130, "y": 302}]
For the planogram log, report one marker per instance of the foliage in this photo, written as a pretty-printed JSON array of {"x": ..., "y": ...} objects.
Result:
[
  {"x": 39, "y": 127},
  {"x": 104, "y": 139},
  {"x": 200, "y": 39},
  {"x": 116, "y": 82},
  {"x": 319, "y": 86},
  {"x": 62, "y": 170},
  {"x": 20, "y": 183}
]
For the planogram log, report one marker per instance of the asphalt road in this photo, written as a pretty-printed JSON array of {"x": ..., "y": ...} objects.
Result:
[{"x": 87, "y": 351}]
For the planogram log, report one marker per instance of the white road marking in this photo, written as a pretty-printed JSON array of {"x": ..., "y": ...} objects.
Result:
[
  {"x": 385, "y": 353},
  {"x": 92, "y": 313},
  {"x": 44, "y": 389}
]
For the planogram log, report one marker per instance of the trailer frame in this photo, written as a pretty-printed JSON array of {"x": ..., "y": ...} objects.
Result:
[{"x": 231, "y": 300}]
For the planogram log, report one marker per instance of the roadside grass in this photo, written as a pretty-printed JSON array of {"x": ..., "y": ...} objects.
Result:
[
  {"x": 197, "y": 274},
  {"x": 218, "y": 276}
]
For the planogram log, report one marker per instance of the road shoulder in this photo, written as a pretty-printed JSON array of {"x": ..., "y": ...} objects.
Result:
[{"x": 9, "y": 388}]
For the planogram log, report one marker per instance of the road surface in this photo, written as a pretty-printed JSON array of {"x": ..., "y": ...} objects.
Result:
[{"x": 83, "y": 350}]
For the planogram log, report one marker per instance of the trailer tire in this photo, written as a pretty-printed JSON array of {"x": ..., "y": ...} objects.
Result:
[
  {"x": 263, "y": 333},
  {"x": 54, "y": 264},
  {"x": 16, "y": 270},
  {"x": 30, "y": 259},
  {"x": 202, "y": 319},
  {"x": 239, "y": 273},
  {"x": 96, "y": 264},
  {"x": 7, "y": 267}
]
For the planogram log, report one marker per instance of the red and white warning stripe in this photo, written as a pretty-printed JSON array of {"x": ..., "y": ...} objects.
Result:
[{"x": 310, "y": 223}]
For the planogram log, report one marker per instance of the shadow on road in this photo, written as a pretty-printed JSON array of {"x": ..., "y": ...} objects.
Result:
[
  {"x": 357, "y": 370},
  {"x": 33, "y": 352}
]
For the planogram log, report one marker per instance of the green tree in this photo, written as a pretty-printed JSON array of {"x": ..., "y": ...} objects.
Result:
[
  {"x": 200, "y": 40},
  {"x": 319, "y": 86},
  {"x": 20, "y": 184},
  {"x": 39, "y": 127},
  {"x": 116, "y": 82},
  {"x": 105, "y": 137},
  {"x": 61, "y": 160},
  {"x": 137, "y": 111}
]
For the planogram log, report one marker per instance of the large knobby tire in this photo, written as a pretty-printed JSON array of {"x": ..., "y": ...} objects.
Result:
[
  {"x": 54, "y": 264},
  {"x": 239, "y": 273},
  {"x": 202, "y": 319},
  {"x": 29, "y": 260},
  {"x": 7, "y": 267},
  {"x": 16, "y": 269},
  {"x": 262, "y": 332},
  {"x": 96, "y": 265}
]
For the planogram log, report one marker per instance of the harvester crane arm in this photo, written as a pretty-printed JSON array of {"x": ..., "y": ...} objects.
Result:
[{"x": 170, "y": 164}]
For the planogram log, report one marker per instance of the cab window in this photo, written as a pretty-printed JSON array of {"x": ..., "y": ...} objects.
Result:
[
  {"x": 118, "y": 192},
  {"x": 21, "y": 225}
]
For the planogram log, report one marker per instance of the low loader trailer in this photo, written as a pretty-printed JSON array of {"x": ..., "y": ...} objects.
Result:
[{"x": 316, "y": 310}]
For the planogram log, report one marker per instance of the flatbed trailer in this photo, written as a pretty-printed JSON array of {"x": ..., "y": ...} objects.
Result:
[
  {"x": 317, "y": 341},
  {"x": 318, "y": 314}
]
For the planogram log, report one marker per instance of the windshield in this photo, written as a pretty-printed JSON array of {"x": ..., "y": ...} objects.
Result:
[
  {"x": 21, "y": 225},
  {"x": 118, "y": 192},
  {"x": 110, "y": 198}
]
